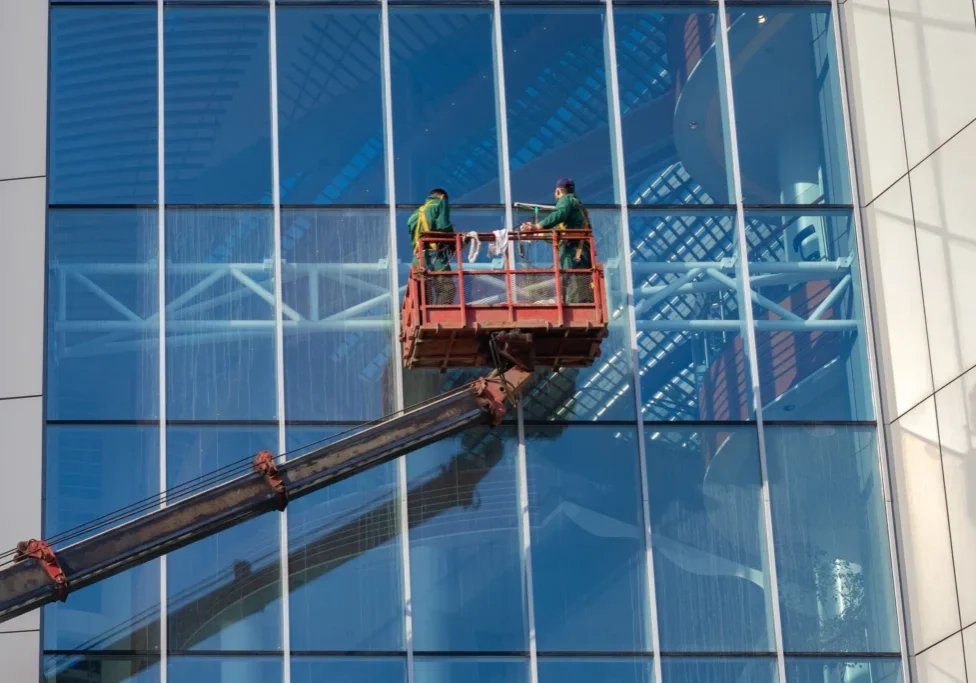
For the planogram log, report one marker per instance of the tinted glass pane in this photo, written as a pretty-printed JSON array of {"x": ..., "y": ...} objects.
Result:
[
  {"x": 220, "y": 360},
  {"x": 587, "y": 539},
  {"x": 810, "y": 334},
  {"x": 673, "y": 128},
  {"x": 90, "y": 472},
  {"x": 344, "y": 560},
  {"x": 787, "y": 107},
  {"x": 338, "y": 318},
  {"x": 225, "y": 669},
  {"x": 596, "y": 671},
  {"x": 359, "y": 670},
  {"x": 471, "y": 671},
  {"x": 686, "y": 301},
  {"x": 224, "y": 592},
  {"x": 843, "y": 670},
  {"x": 831, "y": 539},
  {"x": 330, "y": 109},
  {"x": 718, "y": 670},
  {"x": 445, "y": 128},
  {"x": 466, "y": 569},
  {"x": 556, "y": 92},
  {"x": 102, "y": 303},
  {"x": 707, "y": 525},
  {"x": 93, "y": 669},
  {"x": 218, "y": 106},
  {"x": 103, "y": 122}
]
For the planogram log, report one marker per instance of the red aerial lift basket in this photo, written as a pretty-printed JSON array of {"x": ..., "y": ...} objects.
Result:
[{"x": 451, "y": 317}]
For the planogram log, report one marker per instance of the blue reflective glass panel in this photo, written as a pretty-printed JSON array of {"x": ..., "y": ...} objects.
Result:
[
  {"x": 787, "y": 107},
  {"x": 466, "y": 568},
  {"x": 338, "y": 317},
  {"x": 218, "y": 106},
  {"x": 330, "y": 108},
  {"x": 843, "y": 670},
  {"x": 603, "y": 391},
  {"x": 686, "y": 302},
  {"x": 445, "y": 128},
  {"x": 707, "y": 526},
  {"x": 90, "y": 472},
  {"x": 556, "y": 92},
  {"x": 102, "y": 304},
  {"x": 95, "y": 669},
  {"x": 588, "y": 558},
  {"x": 674, "y": 132},
  {"x": 807, "y": 304},
  {"x": 220, "y": 360},
  {"x": 674, "y": 670},
  {"x": 224, "y": 592},
  {"x": 832, "y": 555},
  {"x": 586, "y": 670},
  {"x": 348, "y": 670},
  {"x": 344, "y": 560},
  {"x": 103, "y": 118},
  {"x": 500, "y": 670},
  {"x": 234, "y": 669}
]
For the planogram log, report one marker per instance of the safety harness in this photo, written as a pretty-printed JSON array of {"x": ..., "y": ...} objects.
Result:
[{"x": 586, "y": 226}]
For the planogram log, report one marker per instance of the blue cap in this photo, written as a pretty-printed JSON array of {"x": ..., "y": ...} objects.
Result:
[{"x": 564, "y": 183}]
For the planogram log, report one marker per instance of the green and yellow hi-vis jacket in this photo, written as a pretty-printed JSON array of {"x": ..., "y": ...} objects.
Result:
[
  {"x": 569, "y": 214},
  {"x": 433, "y": 216}
]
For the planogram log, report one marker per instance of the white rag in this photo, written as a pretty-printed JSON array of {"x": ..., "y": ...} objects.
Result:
[
  {"x": 475, "y": 247},
  {"x": 500, "y": 244}
]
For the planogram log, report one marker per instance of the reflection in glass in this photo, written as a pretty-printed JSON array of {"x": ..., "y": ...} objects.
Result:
[
  {"x": 337, "y": 318},
  {"x": 90, "y": 472},
  {"x": 843, "y": 670},
  {"x": 686, "y": 302},
  {"x": 234, "y": 669},
  {"x": 445, "y": 127},
  {"x": 737, "y": 670},
  {"x": 494, "y": 670},
  {"x": 669, "y": 78},
  {"x": 556, "y": 92},
  {"x": 587, "y": 539},
  {"x": 95, "y": 669},
  {"x": 603, "y": 391},
  {"x": 344, "y": 561},
  {"x": 220, "y": 361},
  {"x": 103, "y": 118},
  {"x": 466, "y": 568},
  {"x": 787, "y": 107},
  {"x": 348, "y": 670},
  {"x": 224, "y": 592},
  {"x": 707, "y": 526},
  {"x": 218, "y": 105},
  {"x": 330, "y": 108},
  {"x": 102, "y": 306},
  {"x": 586, "y": 670},
  {"x": 809, "y": 318},
  {"x": 829, "y": 526}
]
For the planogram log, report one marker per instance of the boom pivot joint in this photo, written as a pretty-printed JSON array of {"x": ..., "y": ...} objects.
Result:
[{"x": 265, "y": 464}]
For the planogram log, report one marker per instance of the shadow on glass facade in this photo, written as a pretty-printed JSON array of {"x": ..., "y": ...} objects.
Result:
[{"x": 227, "y": 254}]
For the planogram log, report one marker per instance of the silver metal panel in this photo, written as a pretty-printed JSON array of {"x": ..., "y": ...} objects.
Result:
[{"x": 23, "y": 88}]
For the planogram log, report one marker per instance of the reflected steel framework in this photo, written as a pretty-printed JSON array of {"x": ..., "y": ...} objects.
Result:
[{"x": 123, "y": 329}]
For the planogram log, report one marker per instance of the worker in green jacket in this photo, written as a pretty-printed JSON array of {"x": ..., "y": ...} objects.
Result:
[
  {"x": 435, "y": 216},
  {"x": 573, "y": 254}
]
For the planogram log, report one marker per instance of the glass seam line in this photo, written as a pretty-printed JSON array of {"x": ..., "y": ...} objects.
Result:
[
  {"x": 869, "y": 339},
  {"x": 616, "y": 124},
  {"x": 522, "y": 469},
  {"x": 401, "y": 464},
  {"x": 279, "y": 335},
  {"x": 742, "y": 251},
  {"x": 161, "y": 301}
]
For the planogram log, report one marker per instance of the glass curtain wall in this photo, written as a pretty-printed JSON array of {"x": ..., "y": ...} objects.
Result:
[{"x": 228, "y": 191}]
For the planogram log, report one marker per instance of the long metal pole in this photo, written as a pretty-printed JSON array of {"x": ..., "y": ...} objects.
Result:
[{"x": 161, "y": 294}]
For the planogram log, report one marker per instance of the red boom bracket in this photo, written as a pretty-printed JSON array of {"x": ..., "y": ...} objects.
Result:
[
  {"x": 496, "y": 391},
  {"x": 265, "y": 464},
  {"x": 42, "y": 552}
]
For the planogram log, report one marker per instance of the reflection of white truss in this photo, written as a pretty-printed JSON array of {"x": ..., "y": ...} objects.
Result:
[{"x": 717, "y": 276}]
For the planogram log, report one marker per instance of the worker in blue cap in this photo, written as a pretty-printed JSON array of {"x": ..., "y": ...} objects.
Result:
[{"x": 573, "y": 254}]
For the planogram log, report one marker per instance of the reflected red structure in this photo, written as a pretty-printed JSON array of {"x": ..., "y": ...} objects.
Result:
[{"x": 449, "y": 318}]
